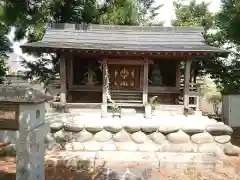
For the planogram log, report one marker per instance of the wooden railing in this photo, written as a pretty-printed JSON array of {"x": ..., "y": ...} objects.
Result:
[{"x": 194, "y": 92}]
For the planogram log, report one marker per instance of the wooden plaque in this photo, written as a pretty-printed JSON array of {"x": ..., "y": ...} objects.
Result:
[{"x": 9, "y": 116}]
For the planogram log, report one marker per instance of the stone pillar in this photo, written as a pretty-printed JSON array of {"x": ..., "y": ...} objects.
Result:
[
  {"x": 145, "y": 81},
  {"x": 104, "y": 113},
  {"x": 186, "y": 82},
  {"x": 23, "y": 116},
  {"x": 63, "y": 81}
]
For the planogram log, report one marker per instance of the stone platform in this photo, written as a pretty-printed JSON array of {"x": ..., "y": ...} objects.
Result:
[{"x": 177, "y": 134}]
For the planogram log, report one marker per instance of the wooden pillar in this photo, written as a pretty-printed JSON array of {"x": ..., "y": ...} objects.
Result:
[
  {"x": 104, "y": 84},
  {"x": 63, "y": 79},
  {"x": 145, "y": 81},
  {"x": 186, "y": 82}
]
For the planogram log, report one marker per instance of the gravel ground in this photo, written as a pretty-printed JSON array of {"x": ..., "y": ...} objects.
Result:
[{"x": 230, "y": 170}]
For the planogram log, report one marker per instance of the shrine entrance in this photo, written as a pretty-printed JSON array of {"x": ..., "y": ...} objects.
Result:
[{"x": 124, "y": 76}]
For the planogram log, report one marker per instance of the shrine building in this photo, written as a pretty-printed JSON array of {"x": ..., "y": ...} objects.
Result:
[{"x": 140, "y": 62}]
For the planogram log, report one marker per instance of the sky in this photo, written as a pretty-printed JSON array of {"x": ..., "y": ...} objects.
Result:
[{"x": 166, "y": 14}]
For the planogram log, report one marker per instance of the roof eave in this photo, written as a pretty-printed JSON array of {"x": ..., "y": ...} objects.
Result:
[{"x": 28, "y": 48}]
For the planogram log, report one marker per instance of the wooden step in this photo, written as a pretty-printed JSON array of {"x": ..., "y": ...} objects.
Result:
[
  {"x": 128, "y": 101},
  {"x": 127, "y": 97},
  {"x": 127, "y": 104}
]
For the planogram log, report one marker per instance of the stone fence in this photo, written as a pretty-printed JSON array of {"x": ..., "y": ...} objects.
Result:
[{"x": 175, "y": 134}]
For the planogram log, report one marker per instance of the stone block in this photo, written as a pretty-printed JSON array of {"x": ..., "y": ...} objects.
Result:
[
  {"x": 178, "y": 137},
  {"x": 211, "y": 148},
  {"x": 168, "y": 128},
  {"x": 222, "y": 139},
  {"x": 157, "y": 138},
  {"x": 126, "y": 146},
  {"x": 92, "y": 146},
  {"x": 138, "y": 137},
  {"x": 231, "y": 150},
  {"x": 132, "y": 128},
  {"x": 77, "y": 146},
  {"x": 73, "y": 126},
  {"x": 94, "y": 127},
  {"x": 109, "y": 146},
  {"x": 201, "y": 138},
  {"x": 149, "y": 128},
  {"x": 147, "y": 146},
  {"x": 113, "y": 128},
  {"x": 82, "y": 136},
  {"x": 103, "y": 136},
  {"x": 184, "y": 147},
  {"x": 192, "y": 130},
  {"x": 62, "y": 136},
  {"x": 56, "y": 126},
  {"x": 122, "y": 136},
  {"x": 219, "y": 129}
]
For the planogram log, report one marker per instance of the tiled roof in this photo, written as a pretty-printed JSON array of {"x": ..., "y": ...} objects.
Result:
[{"x": 125, "y": 38}]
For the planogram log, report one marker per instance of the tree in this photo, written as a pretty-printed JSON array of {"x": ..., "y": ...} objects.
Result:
[
  {"x": 4, "y": 47},
  {"x": 224, "y": 72},
  {"x": 194, "y": 15},
  {"x": 198, "y": 15},
  {"x": 228, "y": 20}
]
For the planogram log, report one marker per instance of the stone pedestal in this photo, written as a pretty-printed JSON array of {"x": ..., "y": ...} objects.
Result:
[
  {"x": 198, "y": 113},
  {"x": 148, "y": 111},
  {"x": 104, "y": 113}
]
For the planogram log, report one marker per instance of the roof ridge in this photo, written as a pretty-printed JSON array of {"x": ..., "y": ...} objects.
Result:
[{"x": 124, "y": 27}]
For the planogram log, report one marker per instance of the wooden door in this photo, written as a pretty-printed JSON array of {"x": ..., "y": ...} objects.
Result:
[{"x": 124, "y": 76}]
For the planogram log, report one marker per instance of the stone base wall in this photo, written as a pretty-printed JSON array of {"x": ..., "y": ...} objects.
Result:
[{"x": 175, "y": 134}]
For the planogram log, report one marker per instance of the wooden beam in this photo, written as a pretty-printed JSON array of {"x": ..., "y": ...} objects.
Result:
[
  {"x": 63, "y": 88},
  {"x": 127, "y": 61},
  {"x": 104, "y": 86},
  {"x": 145, "y": 81},
  {"x": 186, "y": 82}
]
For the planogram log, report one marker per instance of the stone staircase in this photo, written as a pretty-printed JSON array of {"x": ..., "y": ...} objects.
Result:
[{"x": 127, "y": 97}]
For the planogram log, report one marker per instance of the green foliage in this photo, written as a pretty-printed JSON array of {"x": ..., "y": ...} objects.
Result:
[
  {"x": 4, "y": 46},
  {"x": 124, "y": 12},
  {"x": 3, "y": 68},
  {"x": 193, "y": 15},
  {"x": 228, "y": 23},
  {"x": 44, "y": 69},
  {"x": 228, "y": 20}
]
